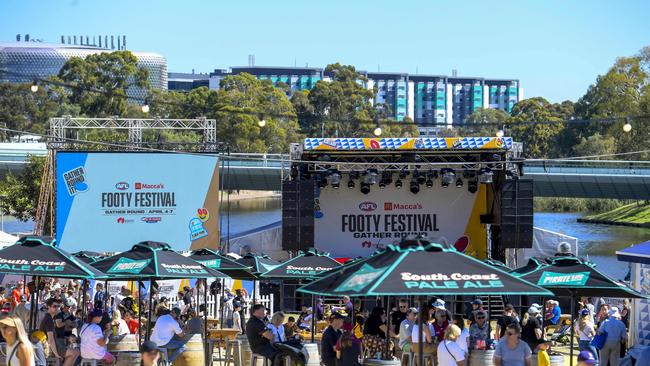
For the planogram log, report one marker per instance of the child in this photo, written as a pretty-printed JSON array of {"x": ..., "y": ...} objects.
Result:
[
  {"x": 585, "y": 358},
  {"x": 39, "y": 339},
  {"x": 348, "y": 351},
  {"x": 542, "y": 354},
  {"x": 290, "y": 328}
]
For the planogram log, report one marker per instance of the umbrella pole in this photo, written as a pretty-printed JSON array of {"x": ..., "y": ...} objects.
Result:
[
  {"x": 84, "y": 288},
  {"x": 421, "y": 310},
  {"x": 313, "y": 316},
  {"x": 147, "y": 333},
  {"x": 33, "y": 312},
  {"x": 573, "y": 305},
  {"x": 205, "y": 323},
  {"x": 106, "y": 297},
  {"x": 139, "y": 313},
  {"x": 222, "y": 303},
  {"x": 386, "y": 355}
]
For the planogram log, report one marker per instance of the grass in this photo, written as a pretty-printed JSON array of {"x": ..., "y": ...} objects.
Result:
[{"x": 634, "y": 213}]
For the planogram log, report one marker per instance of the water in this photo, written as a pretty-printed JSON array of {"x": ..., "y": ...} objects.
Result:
[{"x": 597, "y": 242}]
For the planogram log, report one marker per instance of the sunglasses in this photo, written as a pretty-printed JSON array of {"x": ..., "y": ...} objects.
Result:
[
  {"x": 480, "y": 317},
  {"x": 511, "y": 333},
  {"x": 402, "y": 307}
]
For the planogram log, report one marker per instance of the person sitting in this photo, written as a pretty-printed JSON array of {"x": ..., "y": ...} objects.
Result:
[
  {"x": 93, "y": 340},
  {"x": 118, "y": 325},
  {"x": 194, "y": 324},
  {"x": 163, "y": 333},
  {"x": 19, "y": 350},
  {"x": 480, "y": 332},
  {"x": 330, "y": 339},
  {"x": 275, "y": 326},
  {"x": 39, "y": 340},
  {"x": 290, "y": 328},
  {"x": 260, "y": 337},
  {"x": 305, "y": 318},
  {"x": 149, "y": 353},
  {"x": 405, "y": 328},
  {"x": 131, "y": 322},
  {"x": 440, "y": 323},
  {"x": 553, "y": 312}
]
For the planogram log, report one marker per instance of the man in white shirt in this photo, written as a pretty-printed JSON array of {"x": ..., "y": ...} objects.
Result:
[
  {"x": 163, "y": 333},
  {"x": 405, "y": 330},
  {"x": 94, "y": 341}
]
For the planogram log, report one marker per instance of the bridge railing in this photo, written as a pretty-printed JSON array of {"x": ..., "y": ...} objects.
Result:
[{"x": 587, "y": 167}]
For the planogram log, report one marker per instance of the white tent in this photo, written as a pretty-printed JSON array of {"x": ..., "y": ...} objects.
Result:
[{"x": 7, "y": 239}]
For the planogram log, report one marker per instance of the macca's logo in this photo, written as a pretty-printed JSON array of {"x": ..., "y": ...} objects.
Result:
[
  {"x": 121, "y": 186},
  {"x": 367, "y": 206},
  {"x": 120, "y": 220},
  {"x": 390, "y": 206},
  {"x": 140, "y": 185}
]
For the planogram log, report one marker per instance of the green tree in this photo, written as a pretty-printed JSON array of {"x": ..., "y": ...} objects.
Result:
[
  {"x": 594, "y": 145},
  {"x": 21, "y": 109},
  {"x": 20, "y": 191},
  {"x": 494, "y": 119},
  {"x": 100, "y": 82},
  {"x": 540, "y": 139}
]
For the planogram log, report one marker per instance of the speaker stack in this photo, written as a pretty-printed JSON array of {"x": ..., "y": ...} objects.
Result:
[
  {"x": 298, "y": 214},
  {"x": 516, "y": 229}
]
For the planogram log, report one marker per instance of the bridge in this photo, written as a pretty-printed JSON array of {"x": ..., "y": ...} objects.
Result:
[{"x": 553, "y": 178}]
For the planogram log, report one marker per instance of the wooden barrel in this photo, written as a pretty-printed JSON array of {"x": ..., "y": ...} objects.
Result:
[
  {"x": 245, "y": 349},
  {"x": 556, "y": 359},
  {"x": 125, "y": 343},
  {"x": 127, "y": 358},
  {"x": 482, "y": 358},
  {"x": 314, "y": 354},
  {"x": 375, "y": 362},
  {"x": 194, "y": 353}
]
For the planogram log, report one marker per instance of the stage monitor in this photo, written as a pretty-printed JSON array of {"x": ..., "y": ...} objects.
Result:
[{"x": 109, "y": 201}]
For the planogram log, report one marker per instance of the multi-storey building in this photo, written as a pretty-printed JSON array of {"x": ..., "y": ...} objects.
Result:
[
  {"x": 181, "y": 81},
  {"x": 431, "y": 101}
]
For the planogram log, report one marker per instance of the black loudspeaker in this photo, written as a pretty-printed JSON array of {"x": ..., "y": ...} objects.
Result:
[
  {"x": 298, "y": 214},
  {"x": 517, "y": 213}
]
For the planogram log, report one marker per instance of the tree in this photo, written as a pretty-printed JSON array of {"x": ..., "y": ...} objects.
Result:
[
  {"x": 494, "y": 119},
  {"x": 100, "y": 82},
  {"x": 20, "y": 192},
  {"x": 22, "y": 109},
  {"x": 540, "y": 140},
  {"x": 595, "y": 145}
]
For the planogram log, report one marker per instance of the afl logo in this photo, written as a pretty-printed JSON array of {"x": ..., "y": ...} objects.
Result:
[
  {"x": 367, "y": 206},
  {"x": 122, "y": 186}
]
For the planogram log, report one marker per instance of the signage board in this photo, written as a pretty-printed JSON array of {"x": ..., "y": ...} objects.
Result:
[{"x": 110, "y": 201}]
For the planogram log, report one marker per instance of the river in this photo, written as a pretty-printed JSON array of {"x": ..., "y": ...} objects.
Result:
[{"x": 599, "y": 243}]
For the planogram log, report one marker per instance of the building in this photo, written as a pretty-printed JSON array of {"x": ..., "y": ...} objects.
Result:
[
  {"x": 22, "y": 62},
  {"x": 431, "y": 101},
  {"x": 180, "y": 81}
]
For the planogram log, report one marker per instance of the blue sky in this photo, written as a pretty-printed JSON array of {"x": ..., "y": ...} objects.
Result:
[{"x": 556, "y": 48}]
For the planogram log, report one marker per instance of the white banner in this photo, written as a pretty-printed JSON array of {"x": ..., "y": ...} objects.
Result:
[
  {"x": 168, "y": 288},
  {"x": 349, "y": 223}
]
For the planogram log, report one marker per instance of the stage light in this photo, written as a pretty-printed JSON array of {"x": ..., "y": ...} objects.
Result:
[
  {"x": 335, "y": 179},
  {"x": 485, "y": 176},
  {"x": 627, "y": 127},
  {"x": 377, "y": 131},
  {"x": 429, "y": 183},
  {"x": 351, "y": 184},
  {"x": 386, "y": 179},
  {"x": 322, "y": 181},
  {"x": 370, "y": 176},
  {"x": 415, "y": 187},
  {"x": 398, "y": 184},
  {"x": 353, "y": 176},
  {"x": 472, "y": 186},
  {"x": 261, "y": 122},
  {"x": 145, "y": 106},
  {"x": 365, "y": 188},
  {"x": 500, "y": 133},
  {"x": 459, "y": 183},
  {"x": 419, "y": 177},
  {"x": 448, "y": 177},
  {"x": 403, "y": 173}
]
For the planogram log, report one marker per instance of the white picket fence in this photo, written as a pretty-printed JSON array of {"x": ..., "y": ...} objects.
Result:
[{"x": 214, "y": 303}]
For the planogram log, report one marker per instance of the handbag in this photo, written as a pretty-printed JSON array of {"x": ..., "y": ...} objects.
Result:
[{"x": 599, "y": 340}]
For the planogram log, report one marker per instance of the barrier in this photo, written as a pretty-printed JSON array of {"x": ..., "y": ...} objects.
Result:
[{"x": 214, "y": 303}]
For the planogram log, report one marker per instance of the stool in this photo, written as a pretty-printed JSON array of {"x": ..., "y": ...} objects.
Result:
[
  {"x": 233, "y": 352},
  {"x": 164, "y": 357},
  {"x": 254, "y": 358},
  {"x": 88, "y": 362},
  {"x": 407, "y": 356}
]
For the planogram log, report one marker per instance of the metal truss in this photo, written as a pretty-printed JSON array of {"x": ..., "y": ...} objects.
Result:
[{"x": 60, "y": 126}]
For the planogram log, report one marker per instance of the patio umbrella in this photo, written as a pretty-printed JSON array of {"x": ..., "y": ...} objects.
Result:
[
  {"x": 213, "y": 259},
  {"x": 639, "y": 253},
  {"x": 258, "y": 263},
  {"x": 87, "y": 256},
  {"x": 310, "y": 264},
  {"x": 573, "y": 277}
]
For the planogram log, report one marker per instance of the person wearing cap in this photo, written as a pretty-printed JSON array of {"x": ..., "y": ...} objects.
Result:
[
  {"x": 149, "y": 353},
  {"x": 19, "y": 350},
  {"x": 616, "y": 335},
  {"x": 480, "y": 332},
  {"x": 586, "y": 358},
  {"x": 440, "y": 322},
  {"x": 542, "y": 353},
  {"x": 259, "y": 336},
  {"x": 17, "y": 292},
  {"x": 477, "y": 305},
  {"x": 531, "y": 327},
  {"x": 163, "y": 333},
  {"x": 586, "y": 330},
  {"x": 94, "y": 341},
  {"x": 330, "y": 338},
  {"x": 100, "y": 296},
  {"x": 39, "y": 339},
  {"x": 21, "y": 310},
  {"x": 405, "y": 328},
  {"x": 509, "y": 317}
]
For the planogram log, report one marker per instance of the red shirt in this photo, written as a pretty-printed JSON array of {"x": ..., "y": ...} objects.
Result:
[
  {"x": 16, "y": 294},
  {"x": 440, "y": 330},
  {"x": 133, "y": 325}
]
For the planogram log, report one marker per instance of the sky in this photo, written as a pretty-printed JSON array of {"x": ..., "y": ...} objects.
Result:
[{"x": 555, "y": 48}]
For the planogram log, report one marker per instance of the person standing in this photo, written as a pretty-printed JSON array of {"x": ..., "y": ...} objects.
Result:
[
  {"x": 48, "y": 327},
  {"x": 586, "y": 330},
  {"x": 616, "y": 335},
  {"x": 149, "y": 353},
  {"x": 477, "y": 305},
  {"x": 236, "y": 317},
  {"x": 463, "y": 339},
  {"x": 398, "y": 316},
  {"x": 94, "y": 340},
  {"x": 163, "y": 333},
  {"x": 348, "y": 351},
  {"x": 480, "y": 332},
  {"x": 531, "y": 327},
  {"x": 509, "y": 317},
  {"x": 17, "y": 292},
  {"x": 512, "y": 351},
  {"x": 330, "y": 339},
  {"x": 259, "y": 336},
  {"x": 449, "y": 352},
  {"x": 20, "y": 351}
]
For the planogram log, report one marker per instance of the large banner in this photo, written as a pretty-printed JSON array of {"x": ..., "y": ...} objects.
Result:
[
  {"x": 349, "y": 223},
  {"x": 110, "y": 201}
]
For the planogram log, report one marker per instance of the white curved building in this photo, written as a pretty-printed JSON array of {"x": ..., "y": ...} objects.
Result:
[{"x": 25, "y": 61}]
